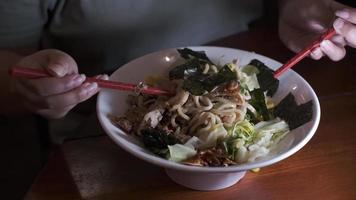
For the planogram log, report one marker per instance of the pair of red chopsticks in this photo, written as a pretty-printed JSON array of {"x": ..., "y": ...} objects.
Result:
[{"x": 38, "y": 73}]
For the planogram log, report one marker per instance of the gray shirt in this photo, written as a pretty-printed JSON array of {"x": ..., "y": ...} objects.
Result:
[{"x": 104, "y": 34}]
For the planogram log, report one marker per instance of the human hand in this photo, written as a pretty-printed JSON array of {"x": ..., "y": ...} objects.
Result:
[
  {"x": 53, "y": 97},
  {"x": 303, "y": 21}
]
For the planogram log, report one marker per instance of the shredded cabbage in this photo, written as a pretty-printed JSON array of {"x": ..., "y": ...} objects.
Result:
[
  {"x": 248, "y": 77},
  {"x": 179, "y": 152},
  {"x": 246, "y": 142},
  {"x": 244, "y": 130}
]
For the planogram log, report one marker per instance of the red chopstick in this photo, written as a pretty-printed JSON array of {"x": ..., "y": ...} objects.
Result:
[
  {"x": 39, "y": 73},
  {"x": 304, "y": 53}
]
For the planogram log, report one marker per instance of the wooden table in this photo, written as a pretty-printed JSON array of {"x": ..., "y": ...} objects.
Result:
[{"x": 96, "y": 168}]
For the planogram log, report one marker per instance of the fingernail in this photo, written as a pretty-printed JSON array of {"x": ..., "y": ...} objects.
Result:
[
  {"x": 58, "y": 69},
  {"x": 317, "y": 53},
  {"x": 338, "y": 24},
  {"x": 325, "y": 45},
  {"x": 89, "y": 88},
  {"x": 314, "y": 52},
  {"x": 78, "y": 79},
  {"x": 343, "y": 14},
  {"x": 104, "y": 77}
]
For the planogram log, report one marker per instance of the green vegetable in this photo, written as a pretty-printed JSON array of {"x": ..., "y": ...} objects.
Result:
[
  {"x": 232, "y": 146},
  {"x": 157, "y": 141},
  {"x": 243, "y": 130},
  {"x": 273, "y": 126},
  {"x": 259, "y": 103},
  {"x": 245, "y": 138},
  {"x": 270, "y": 132},
  {"x": 241, "y": 134},
  {"x": 224, "y": 75},
  {"x": 278, "y": 136},
  {"x": 198, "y": 84},
  {"x": 195, "y": 87},
  {"x": 189, "y": 54},
  {"x": 191, "y": 71},
  {"x": 265, "y": 77},
  {"x": 249, "y": 70},
  {"x": 295, "y": 115},
  {"x": 249, "y": 82},
  {"x": 188, "y": 69},
  {"x": 179, "y": 152},
  {"x": 251, "y": 117}
]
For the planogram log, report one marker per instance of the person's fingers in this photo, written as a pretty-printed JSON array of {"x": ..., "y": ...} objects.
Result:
[
  {"x": 102, "y": 76},
  {"x": 72, "y": 97},
  {"x": 339, "y": 40},
  {"x": 333, "y": 51},
  {"x": 55, "y": 62},
  {"x": 40, "y": 105},
  {"x": 347, "y": 14},
  {"x": 58, "y": 101},
  {"x": 346, "y": 29},
  {"x": 316, "y": 54},
  {"x": 52, "y": 85}
]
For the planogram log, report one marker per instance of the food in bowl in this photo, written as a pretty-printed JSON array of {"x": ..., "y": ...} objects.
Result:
[{"x": 218, "y": 115}]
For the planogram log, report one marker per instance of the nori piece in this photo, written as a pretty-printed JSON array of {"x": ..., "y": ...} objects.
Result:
[
  {"x": 265, "y": 77},
  {"x": 295, "y": 115}
]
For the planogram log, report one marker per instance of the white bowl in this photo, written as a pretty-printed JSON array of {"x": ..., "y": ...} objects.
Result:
[{"x": 112, "y": 102}]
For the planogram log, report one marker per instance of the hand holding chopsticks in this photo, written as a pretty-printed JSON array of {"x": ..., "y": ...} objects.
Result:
[
  {"x": 39, "y": 73},
  {"x": 344, "y": 24},
  {"x": 304, "y": 53}
]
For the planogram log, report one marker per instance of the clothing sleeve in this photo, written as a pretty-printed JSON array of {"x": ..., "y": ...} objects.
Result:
[{"x": 21, "y": 23}]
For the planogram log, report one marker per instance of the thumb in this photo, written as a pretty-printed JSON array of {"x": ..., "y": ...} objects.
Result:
[
  {"x": 60, "y": 64},
  {"x": 57, "y": 70}
]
